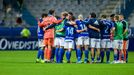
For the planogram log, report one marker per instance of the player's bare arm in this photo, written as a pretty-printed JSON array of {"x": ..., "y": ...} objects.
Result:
[
  {"x": 112, "y": 30},
  {"x": 125, "y": 31},
  {"x": 94, "y": 28}
]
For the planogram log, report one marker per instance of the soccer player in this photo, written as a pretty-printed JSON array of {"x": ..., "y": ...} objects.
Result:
[
  {"x": 59, "y": 38},
  {"x": 106, "y": 29},
  {"x": 49, "y": 34},
  {"x": 118, "y": 39},
  {"x": 125, "y": 37},
  {"x": 71, "y": 17},
  {"x": 83, "y": 39},
  {"x": 112, "y": 21},
  {"x": 70, "y": 31},
  {"x": 94, "y": 32},
  {"x": 40, "y": 33}
]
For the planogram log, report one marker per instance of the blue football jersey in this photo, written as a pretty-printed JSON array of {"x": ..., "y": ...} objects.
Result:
[
  {"x": 70, "y": 31},
  {"x": 112, "y": 23},
  {"x": 80, "y": 26},
  {"x": 93, "y": 33},
  {"x": 86, "y": 20},
  {"x": 40, "y": 31},
  {"x": 76, "y": 34},
  {"x": 105, "y": 29}
]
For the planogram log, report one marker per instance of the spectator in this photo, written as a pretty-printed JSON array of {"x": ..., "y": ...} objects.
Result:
[
  {"x": 19, "y": 20},
  {"x": 2, "y": 22},
  {"x": 20, "y": 5},
  {"x": 7, "y": 5}
]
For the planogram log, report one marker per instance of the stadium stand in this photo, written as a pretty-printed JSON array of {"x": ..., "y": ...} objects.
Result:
[
  {"x": 32, "y": 9},
  {"x": 128, "y": 11},
  {"x": 110, "y": 7},
  {"x": 131, "y": 19},
  {"x": 65, "y": 5}
]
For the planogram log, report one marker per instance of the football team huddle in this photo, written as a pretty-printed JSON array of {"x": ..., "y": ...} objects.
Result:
[{"x": 59, "y": 36}]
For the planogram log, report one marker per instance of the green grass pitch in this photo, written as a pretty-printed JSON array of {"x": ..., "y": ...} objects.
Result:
[{"x": 23, "y": 63}]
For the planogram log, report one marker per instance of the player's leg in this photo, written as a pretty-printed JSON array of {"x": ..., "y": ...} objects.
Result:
[
  {"x": 118, "y": 54},
  {"x": 108, "y": 45},
  {"x": 45, "y": 49},
  {"x": 86, "y": 47},
  {"x": 45, "y": 54},
  {"x": 53, "y": 54},
  {"x": 57, "y": 53},
  {"x": 92, "y": 49},
  {"x": 127, "y": 51},
  {"x": 66, "y": 46},
  {"x": 75, "y": 46},
  {"x": 39, "y": 52},
  {"x": 98, "y": 49},
  {"x": 70, "y": 47},
  {"x": 42, "y": 55},
  {"x": 56, "y": 44},
  {"x": 124, "y": 49},
  {"x": 40, "y": 48},
  {"x": 50, "y": 44},
  {"x": 80, "y": 40},
  {"x": 103, "y": 46},
  {"x": 121, "y": 51},
  {"x": 38, "y": 55},
  {"x": 42, "y": 52},
  {"x": 61, "y": 50},
  {"x": 115, "y": 50}
]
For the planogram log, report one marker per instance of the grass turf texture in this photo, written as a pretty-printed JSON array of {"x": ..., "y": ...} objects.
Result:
[{"x": 23, "y": 63}]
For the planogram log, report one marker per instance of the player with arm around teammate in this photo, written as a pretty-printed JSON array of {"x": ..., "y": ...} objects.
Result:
[
  {"x": 83, "y": 39},
  {"x": 41, "y": 45},
  {"x": 70, "y": 31},
  {"x": 125, "y": 37},
  {"x": 49, "y": 34},
  {"x": 106, "y": 29},
  {"x": 118, "y": 40},
  {"x": 60, "y": 38},
  {"x": 94, "y": 32}
]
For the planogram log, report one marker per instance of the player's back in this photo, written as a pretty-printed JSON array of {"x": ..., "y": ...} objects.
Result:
[
  {"x": 80, "y": 26},
  {"x": 50, "y": 32},
  {"x": 93, "y": 33},
  {"x": 69, "y": 32},
  {"x": 105, "y": 26}
]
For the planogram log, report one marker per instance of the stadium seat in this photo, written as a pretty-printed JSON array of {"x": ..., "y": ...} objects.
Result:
[{"x": 37, "y": 7}]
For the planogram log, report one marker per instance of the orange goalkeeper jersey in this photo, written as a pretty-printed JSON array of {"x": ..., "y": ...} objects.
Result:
[{"x": 48, "y": 21}]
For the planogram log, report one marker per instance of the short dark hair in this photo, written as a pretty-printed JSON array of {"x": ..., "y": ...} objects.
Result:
[
  {"x": 104, "y": 16},
  {"x": 51, "y": 11},
  {"x": 70, "y": 13},
  {"x": 44, "y": 15},
  {"x": 73, "y": 18},
  {"x": 93, "y": 15},
  {"x": 64, "y": 13},
  {"x": 112, "y": 15}
]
